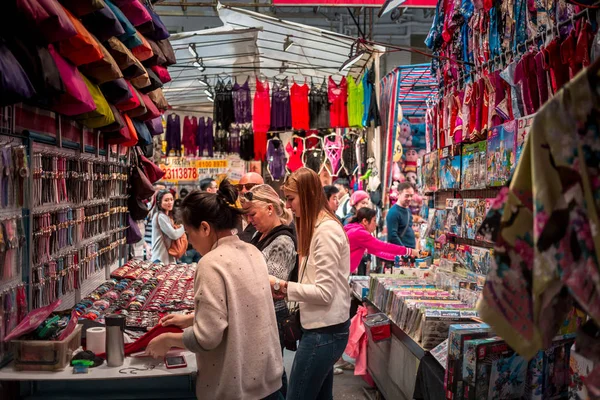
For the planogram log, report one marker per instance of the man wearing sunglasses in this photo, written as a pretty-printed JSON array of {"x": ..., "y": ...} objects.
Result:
[{"x": 247, "y": 182}]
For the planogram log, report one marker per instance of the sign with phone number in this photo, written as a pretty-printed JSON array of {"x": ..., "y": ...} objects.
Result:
[
  {"x": 174, "y": 174},
  {"x": 193, "y": 170}
]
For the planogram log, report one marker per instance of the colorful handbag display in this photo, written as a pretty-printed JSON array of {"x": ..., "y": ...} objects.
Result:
[
  {"x": 140, "y": 109},
  {"x": 151, "y": 109},
  {"x": 153, "y": 172},
  {"x": 116, "y": 92},
  {"x": 144, "y": 137},
  {"x": 103, "y": 24},
  {"x": 129, "y": 30},
  {"x": 159, "y": 31},
  {"x": 144, "y": 51},
  {"x": 102, "y": 115},
  {"x": 77, "y": 98},
  {"x": 168, "y": 52},
  {"x": 39, "y": 66},
  {"x": 158, "y": 58},
  {"x": 159, "y": 99},
  {"x": 141, "y": 81},
  {"x": 124, "y": 136},
  {"x": 135, "y": 12},
  {"x": 155, "y": 126},
  {"x": 82, "y": 7},
  {"x": 132, "y": 132},
  {"x": 127, "y": 62},
  {"x": 104, "y": 70},
  {"x": 162, "y": 73},
  {"x": 48, "y": 17},
  {"x": 82, "y": 48},
  {"x": 153, "y": 84},
  {"x": 14, "y": 83},
  {"x": 119, "y": 123}
]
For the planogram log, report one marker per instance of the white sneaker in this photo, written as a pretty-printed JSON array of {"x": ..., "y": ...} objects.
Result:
[{"x": 338, "y": 371}]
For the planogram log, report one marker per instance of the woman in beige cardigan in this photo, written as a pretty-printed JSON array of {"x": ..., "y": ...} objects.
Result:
[
  {"x": 233, "y": 330},
  {"x": 322, "y": 290}
]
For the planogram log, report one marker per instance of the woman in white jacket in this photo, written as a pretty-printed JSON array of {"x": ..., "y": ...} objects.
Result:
[{"x": 322, "y": 290}]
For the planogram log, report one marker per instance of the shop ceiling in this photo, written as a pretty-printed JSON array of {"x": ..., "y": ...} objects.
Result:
[{"x": 251, "y": 43}]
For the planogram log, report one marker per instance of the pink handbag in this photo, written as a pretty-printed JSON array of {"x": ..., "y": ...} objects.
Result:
[
  {"x": 48, "y": 17},
  {"x": 151, "y": 109},
  {"x": 134, "y": 10},
  {"x": 162, "y": 72},
  {"x": 77, "y": 98}
]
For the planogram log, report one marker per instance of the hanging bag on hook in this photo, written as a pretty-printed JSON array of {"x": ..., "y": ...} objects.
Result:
[{"x": 141, "y": 186}]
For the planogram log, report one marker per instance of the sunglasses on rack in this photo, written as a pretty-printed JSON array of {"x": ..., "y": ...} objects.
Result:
[{"x": 248, "y": 186}]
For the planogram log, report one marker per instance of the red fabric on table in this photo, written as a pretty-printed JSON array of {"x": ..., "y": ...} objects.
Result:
[{"x": 142, "y": 343}]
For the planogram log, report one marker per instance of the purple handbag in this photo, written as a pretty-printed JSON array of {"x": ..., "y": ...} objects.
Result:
[
  {"x": 14, "y": 83},
  {"x": 155, "y": 126},
  {"x": 103, "y": 24},
  {"x": 159, "y": 31},
  {"x": 133, "y": 234}
]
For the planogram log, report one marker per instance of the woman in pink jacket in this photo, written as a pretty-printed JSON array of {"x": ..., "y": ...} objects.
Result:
[{"x": 360, "y": 231}]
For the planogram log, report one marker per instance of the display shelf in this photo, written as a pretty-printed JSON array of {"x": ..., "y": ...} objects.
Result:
[{"x": 416, "y": 349}]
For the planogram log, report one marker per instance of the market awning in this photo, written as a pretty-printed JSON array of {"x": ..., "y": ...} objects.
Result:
[
  {"x": 416, "y": 87},
  {"x": 250, "y": 43}
]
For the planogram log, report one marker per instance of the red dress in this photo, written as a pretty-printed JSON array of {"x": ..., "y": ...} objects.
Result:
[
  {"x": 190, "y": 126},
  {"x": 338, "y": 103},
  {"x": 299, "y": 96},
  {"x": 261, "y": 118}
]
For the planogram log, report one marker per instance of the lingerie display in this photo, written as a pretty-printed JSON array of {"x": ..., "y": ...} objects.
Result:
[
  {"x": 190, "y": 128},
  {"x": 333, "y": 152},
  {"x": 300, "y": 112},
  {"x": 281, "y": 110},
  {"x": 233, "y": 145},
  {"x": 221, "y": 142},
  {"x": 242, "y": 102},
  {"x": 173, "y": 134},
  {"x": 262, "y": 109},
  {"x": 314, "y": 155},
  {"x": 319, "y": 106},
  {"x": 276, "y": 159},
  {"x": 246, "y": 143},
  {"x": 349, "y": 157},
  {"x": 356, "y": 108},
  {"x": 338, "y": 106},
  {"x": 294, "y": 150},
  {"x": 224, "y": 114}
]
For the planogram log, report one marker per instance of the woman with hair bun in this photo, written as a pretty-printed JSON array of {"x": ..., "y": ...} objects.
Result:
[
  {"x": 233, "y": 329},
  {"x": 276, "y": 239}
]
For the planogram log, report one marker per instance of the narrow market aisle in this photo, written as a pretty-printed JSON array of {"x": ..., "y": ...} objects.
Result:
[{"x": 345, "y": 386}]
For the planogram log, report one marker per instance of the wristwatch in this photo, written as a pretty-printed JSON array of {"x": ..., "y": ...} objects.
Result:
[{"x": 277, "y": 285}]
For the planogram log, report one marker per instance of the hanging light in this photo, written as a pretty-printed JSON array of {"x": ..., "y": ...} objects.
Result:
[
  {"x": 199, "y": 64},
  {"x": 192, "y": 50},
  {"x": 211, "y": 99},
  {"x": 203, "y": 81},
  {"x": 208, "y": 92},
  {"x": 287, "y": 43},
  {"x": 353, "y": 59}
]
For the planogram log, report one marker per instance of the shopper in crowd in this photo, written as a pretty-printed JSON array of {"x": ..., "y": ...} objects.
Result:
[
  {"x": 331, "y": 193},
  {"x": 358, "y": 200},
  {"x": 343, "y": 186},
  {"x": 164, "y": 230},
  {"x": 266, "y": 211},
  {"x": 148, "y": 223},
  {"x": 322, "y": 289},
  {"x": 399, "y": 219},
  {"x": 191, "y": 255},
  {"x": 360, "y": 235},
  {"x": 233, "y": 330},
  {"x": 248, "y": 181},
  {"x": 208, "y": 185}
]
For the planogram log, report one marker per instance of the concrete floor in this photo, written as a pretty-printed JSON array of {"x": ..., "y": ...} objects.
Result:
[{"x": 345, "y": 386}]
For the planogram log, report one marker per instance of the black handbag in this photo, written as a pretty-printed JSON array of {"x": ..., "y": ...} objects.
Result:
[{"x": 291, "y": 326}]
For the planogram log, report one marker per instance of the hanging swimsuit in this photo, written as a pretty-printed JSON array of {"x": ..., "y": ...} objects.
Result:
[
  {"x": 294, "y": 149},
  {"x": 241, "y": 102},
  {"x": 276, "y": 159},
  {"x": 349, "y": 154},
  {"x": 333, "y": 152}
]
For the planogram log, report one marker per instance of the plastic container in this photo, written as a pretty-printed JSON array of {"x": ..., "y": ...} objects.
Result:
[
  {"x": 45, "y": 355},
  {"x": 378, "y": 327}
]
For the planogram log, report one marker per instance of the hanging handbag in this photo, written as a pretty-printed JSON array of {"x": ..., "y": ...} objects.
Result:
[
  {"x": 154, "y": 84},
  {"x": 117, "y": 91},
  {"x": 151, "y": 109},
  {"x": 125, "y": 23},
  {"x": 132, "y": 132},
  {"x": 83, "y": 7},
  {"x": 158, "y": 58},
  {"x": 82, "y": 48},
  {"x": 162, "y": 73},
  {"x": 133, "y": 234},
  {"x": 102, "y": 115},
  {"x": 141, "y": 186},
  {"x": 14, "y": 82},
  {"x": 141, "y": 107},
  {"x": 103, "y": 24},
  {"x": 129, "y": 65},
  {"x": 155, "y": 126},
  {"x": 159, "y": 31},
  {"x": 144, "y": 51},
  {"x": 137, "y": 208},
  {"x": 153, "y": 172},
  {"x": 291, "y": 326},
  {"x": 142, "y": 81},
  {"x": 167, "y": 50},
  {"x": 48, "y": 17},
  {"x": 144, "y": 136},
  {"x": 158, "y": 97},
  {"x": 135, "y": 12},
  {"x": 104, "y": 70}
]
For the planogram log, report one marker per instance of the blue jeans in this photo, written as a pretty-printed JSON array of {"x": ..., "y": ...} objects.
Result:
[
  {"x": 312, "y": 372},
  {"x": 281, "y": 316}
]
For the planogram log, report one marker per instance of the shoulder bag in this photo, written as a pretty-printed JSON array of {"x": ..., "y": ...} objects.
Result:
[
  {"x": 178, "y": 246},
  {"x": 291, "y": 326}
]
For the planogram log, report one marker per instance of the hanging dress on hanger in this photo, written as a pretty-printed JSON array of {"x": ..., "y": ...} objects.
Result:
[
  {"x": 294, "y": 149},
  {"x": 242, "y": 102},
  {"x": 209, "y": 137},
  {"x": 319, "y": 106},
  {"x": 299, "y": 97},
  {"x": 276, "y": 159},
  {"x": 373, "y": 110},
  {"x": 349, "y": 154},
  {"x": 281, "y": 110},
  {"x": 338, "y": 98},
  {"x": 333, "y": 152},
  {"x": 356, "y": 108},
  {"x": 261, "y": 118},
  {"x": 200, "y": 142},
  {"x": 246, "y": 144},
  {"x": 173, "y": 135},
  {"x": 190, "y": 128},
  {"x": 224, "y": 109}
]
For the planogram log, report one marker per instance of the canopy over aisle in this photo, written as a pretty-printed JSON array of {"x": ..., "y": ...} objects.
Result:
[
  {"x": 416, "y": 86},
  {"x": 249, "y": 44}
]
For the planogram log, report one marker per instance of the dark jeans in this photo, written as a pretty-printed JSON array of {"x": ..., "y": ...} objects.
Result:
[
  {"x": 312, "y": 372},
  {"x": 281, "y": 315}
]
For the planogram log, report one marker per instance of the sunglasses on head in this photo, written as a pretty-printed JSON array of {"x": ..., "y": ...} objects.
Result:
[
  {"x": 250, "y": 196},
  {"x": 248, "y": 186}
]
